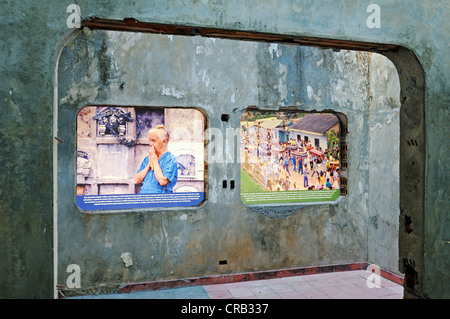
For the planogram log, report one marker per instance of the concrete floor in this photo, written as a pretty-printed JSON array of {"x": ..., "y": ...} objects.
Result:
[{"x": 335, "y": 285}]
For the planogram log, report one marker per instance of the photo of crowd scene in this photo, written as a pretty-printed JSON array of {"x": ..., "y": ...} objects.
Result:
[{"x": 289, "y": 151}]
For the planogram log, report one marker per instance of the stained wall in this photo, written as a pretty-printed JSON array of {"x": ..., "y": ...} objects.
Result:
[
  {"x": 34, "y": 34},
  {"x": 225, "y": 77}
]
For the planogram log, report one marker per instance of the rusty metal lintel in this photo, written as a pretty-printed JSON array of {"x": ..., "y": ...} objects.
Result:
[{"x": 133, "y": 25}]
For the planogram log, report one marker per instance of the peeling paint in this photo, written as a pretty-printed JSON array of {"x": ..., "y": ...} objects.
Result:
[
  {"x": 320, "y": 62},
  {"x": 127, "y": 260},
  {"x": 205, "y": 77},
  {"x": 296, "y": 8},
  {"x": 282, "y": 85},
  {"x": 203, "y": 50},
  {"x": 172, "y": 92},
  {"x": 273, "y": 48}
]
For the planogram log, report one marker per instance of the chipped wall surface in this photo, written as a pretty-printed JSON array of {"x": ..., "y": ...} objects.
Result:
[
  {"x": 384, "y": 188},
  {"x": 166, "y": 244},
  {"x": 225, "y": 76}
]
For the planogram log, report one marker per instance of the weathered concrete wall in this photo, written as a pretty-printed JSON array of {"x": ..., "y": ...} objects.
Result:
[
  {"x": 224, "y": 76},
  {"x": 384, "y": 188},
  {"x": 365, "y": 85},
  {"x": 29, "y": 42}
]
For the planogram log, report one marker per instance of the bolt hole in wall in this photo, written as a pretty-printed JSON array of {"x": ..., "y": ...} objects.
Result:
[
  {"x": 225, "y": 117},
  {"x": 225, "y": 184}
]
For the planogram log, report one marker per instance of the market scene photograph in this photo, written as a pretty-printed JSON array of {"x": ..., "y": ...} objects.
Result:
[{"x": 289, "y": 151}]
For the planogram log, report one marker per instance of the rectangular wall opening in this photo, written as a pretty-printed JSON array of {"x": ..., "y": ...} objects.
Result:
[{"x": 274, "y": 69}]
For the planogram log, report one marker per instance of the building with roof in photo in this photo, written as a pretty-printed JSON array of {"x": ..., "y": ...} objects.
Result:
[{"x": 313, "y": 128}]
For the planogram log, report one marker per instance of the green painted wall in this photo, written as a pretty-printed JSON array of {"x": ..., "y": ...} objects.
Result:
[{"x": 33, "y": 32}]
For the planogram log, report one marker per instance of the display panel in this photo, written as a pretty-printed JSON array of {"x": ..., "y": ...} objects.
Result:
[
  {"x": 139, "y": 157},
  {"x": 289, "y": 157}
]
